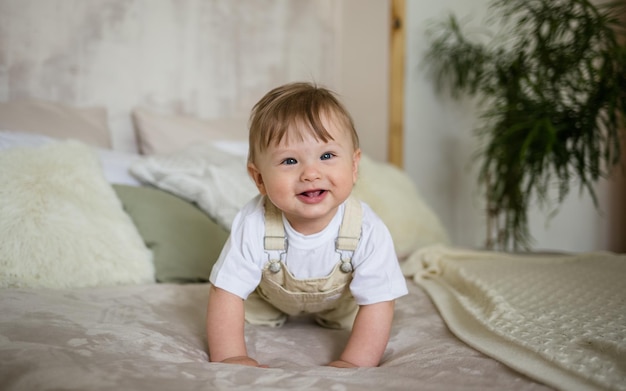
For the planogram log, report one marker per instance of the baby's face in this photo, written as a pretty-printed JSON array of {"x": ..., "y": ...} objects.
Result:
[{"x": 308, "y": 179}]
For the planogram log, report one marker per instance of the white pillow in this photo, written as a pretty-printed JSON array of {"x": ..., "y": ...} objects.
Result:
[
  {"x": 211, "y": 175},
  {"x": 214, "y": 176},
  {"x": 116, "y": 164},
  {"x": 12, "y": 139},
  {"x": 61, "y": 223}
]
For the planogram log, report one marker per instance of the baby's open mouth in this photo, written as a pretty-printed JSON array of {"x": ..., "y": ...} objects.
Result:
[{"x": 315, "y": 193}]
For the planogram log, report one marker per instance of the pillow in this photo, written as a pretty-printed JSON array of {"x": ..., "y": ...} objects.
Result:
[
  {"x": 391, "y": 193},
  {"x": 61, "y": 223},
  {"x": 57, "y": 120},
  {"x": 116, "y": 164},
  {"x": 184, "y": 240},
  {"x": 215, "y": 178},
  {"x": 10, "y": 139},
  {"x": 159, "y": 133}
]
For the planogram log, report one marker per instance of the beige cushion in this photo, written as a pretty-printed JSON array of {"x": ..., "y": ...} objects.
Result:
[
  {"x": 162, "y": 133},
  {"x": 86, "y": 124},
  {"x": 392, "y": 194}
]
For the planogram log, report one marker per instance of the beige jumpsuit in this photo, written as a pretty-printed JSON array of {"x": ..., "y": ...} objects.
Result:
[{"x": 280, "y": 294}]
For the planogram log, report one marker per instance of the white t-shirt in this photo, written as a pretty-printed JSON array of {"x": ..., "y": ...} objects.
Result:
[{"x": 377, "y": 276}]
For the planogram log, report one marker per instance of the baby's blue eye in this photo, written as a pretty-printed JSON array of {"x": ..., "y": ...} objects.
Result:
[
  {"x": 290, "y": 161},
  {"x": 326, "y": 156}
]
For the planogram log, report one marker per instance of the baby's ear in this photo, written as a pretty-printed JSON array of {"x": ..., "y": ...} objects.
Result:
[
  {"x": 256, "y": 176},
  {"x": 356, "y": 159}
]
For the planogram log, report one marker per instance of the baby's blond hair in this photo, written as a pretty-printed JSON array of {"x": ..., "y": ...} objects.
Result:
[{"x": 291, "y": 106}]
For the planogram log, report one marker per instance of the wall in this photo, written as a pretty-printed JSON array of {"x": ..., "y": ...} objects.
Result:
[
  {"x": 440, "y": 144},
  {"x": 208, "y": 58},
  {"x": 215, "y": 58},
  {"x": 364, "y": 69}
]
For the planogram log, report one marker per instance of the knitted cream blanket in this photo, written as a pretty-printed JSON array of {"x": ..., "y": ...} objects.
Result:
[{"x": 560, "y": 319}]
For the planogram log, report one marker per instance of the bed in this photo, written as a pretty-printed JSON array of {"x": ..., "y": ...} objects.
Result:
[
  {"x": 117, "y": 191},
  {"x": 105, "y": 257}
]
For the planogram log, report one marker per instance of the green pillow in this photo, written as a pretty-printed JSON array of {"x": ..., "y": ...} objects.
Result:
[{"x": 185, "y": 241}]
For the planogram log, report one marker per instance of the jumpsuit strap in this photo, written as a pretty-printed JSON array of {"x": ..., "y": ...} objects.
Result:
[
  {"x": 350, "y": 230},
  {"x": 274, "y": 239}
]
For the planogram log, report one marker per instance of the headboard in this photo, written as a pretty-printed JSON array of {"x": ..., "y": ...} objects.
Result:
[{"x": 208, "y": 59}]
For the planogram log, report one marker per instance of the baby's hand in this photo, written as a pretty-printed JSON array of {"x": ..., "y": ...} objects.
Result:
[
  {"x": 243, "y": 360},
  {"x": 341, "y": 364}
]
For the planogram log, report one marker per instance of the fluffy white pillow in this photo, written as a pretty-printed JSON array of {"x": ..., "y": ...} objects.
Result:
[
  {"x": 116, "y": 164},
  {"x": 61, "y": 224}
]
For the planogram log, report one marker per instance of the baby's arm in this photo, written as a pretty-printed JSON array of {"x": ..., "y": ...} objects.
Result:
[
  {"x": 369, "y": 336},
  {"x": 225, "y": 328}
]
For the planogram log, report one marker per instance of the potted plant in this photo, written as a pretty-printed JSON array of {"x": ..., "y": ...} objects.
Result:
[{"x": 552, "y": 87}]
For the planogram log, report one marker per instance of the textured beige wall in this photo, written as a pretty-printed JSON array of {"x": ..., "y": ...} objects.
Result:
[{"x": 210, "y": 58}]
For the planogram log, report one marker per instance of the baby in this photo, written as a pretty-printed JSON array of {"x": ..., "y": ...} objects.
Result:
[{"x": 304, "y": 245}]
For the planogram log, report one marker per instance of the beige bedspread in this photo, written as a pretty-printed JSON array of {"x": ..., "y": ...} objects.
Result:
[
  {"x": 152, "y": 337},
  {"x": 558, "y": 318}
]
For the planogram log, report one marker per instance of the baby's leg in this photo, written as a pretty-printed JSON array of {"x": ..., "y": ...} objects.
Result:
[
  {"x": 260, "y": 312},
  {"x": 340, "y": 317}
]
